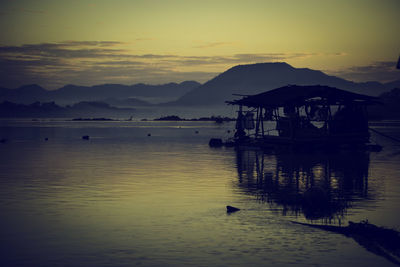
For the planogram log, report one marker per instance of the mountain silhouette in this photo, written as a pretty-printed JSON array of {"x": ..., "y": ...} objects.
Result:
[
  {"x": 126, "y": 102},
  {"x": 25, "y": 94},
  {"x": 260, "y": 77},
  {"x": 241, "y": 79},
  {"x": 70, "y": 94}
]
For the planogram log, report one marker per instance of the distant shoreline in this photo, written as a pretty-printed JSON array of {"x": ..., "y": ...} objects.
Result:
[{"x": 217, "y": 119}]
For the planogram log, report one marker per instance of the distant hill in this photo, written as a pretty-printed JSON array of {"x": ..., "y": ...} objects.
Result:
[
  {"x": 126, "y": 102},
  {"x": 70, "y": 94},
  {"x": 257, "y": 78}
]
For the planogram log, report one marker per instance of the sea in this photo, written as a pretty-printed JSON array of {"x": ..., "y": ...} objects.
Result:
[{"x": 154, "y": 193}]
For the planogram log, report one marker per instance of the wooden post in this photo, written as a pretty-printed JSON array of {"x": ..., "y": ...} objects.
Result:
[
  {"x": 258, "y": 121},
  {"x": 262, "y": 121}
]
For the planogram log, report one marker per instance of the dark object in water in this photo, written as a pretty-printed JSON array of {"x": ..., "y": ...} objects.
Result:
[
  {"x": 219, "y": 120},
  {"x": 215, "y": 142},
  {"x": 230, "y": 209},
  {"x": 3, "y": 140},
  {"x": 398, "y": 64},
  {"x": 149, "y": 134},
  {"x": 46, "y": 139},
  {"x": 85, "y": 137},
  {"x": 378, "y": 240},
  {"x": 196, "y": 132}
]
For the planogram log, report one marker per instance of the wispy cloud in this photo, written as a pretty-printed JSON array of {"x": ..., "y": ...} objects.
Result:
[
  {"x": 31, "y": 11},
  {"x": 26, "y": 11},
  {"x": 53, "y": 65},
  {"x": 213, "y": 44},
  {"x": 63, "y": 50},
  {"x": 90, "y": 43},
  {"x": 145, "y": 39},
  {"x": 383, "y": 71}
]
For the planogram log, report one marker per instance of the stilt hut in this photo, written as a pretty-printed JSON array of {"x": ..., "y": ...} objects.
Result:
[{"x": 307, "y": 116}]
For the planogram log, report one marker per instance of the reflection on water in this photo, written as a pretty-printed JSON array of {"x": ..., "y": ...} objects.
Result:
[
  {"x": 123, "y": 198},
  {"x": 318, "y": 185}
]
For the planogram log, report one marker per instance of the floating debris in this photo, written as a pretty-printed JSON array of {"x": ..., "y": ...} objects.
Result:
[
  {"x": 149, "y": 134},
  {"x": 230, "y": 209},
  {"x": 85, "y": 137},
  {"x": 378, "y": 240}
]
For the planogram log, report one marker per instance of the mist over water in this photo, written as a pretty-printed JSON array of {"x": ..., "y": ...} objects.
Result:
[{"x": 154, "y": 194}]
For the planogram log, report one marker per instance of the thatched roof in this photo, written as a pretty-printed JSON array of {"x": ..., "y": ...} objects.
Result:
[{"x": 298, "y": 95}]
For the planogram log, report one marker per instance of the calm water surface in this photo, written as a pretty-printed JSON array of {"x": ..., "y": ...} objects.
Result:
[{"x": 124, "y": 198}]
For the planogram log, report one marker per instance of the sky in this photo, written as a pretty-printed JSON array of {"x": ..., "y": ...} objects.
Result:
[{"x": 88, "y": 42}]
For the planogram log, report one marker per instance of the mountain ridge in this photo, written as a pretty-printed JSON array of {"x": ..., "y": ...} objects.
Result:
[
  {"x": 256, "y": 78},
  {"x": 69, "y": 94},
  {"x": 240, "y": 79}
]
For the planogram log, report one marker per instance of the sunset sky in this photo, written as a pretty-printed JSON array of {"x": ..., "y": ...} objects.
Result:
[{"x": 53, "y": 43}]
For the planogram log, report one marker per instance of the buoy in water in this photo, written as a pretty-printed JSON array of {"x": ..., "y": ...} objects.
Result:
[
  {"x": 230, "y": 209},
  {"x": 85, "y": 137},
  {"x": 215, "y": 142}
]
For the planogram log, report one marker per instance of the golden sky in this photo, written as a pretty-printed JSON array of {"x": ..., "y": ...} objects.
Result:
[{"x": 53, "y": 42}]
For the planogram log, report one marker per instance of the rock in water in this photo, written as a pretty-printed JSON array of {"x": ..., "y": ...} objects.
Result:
[
  {"x": 230, "y": 209},
  {"x": 215, "y": 142}
]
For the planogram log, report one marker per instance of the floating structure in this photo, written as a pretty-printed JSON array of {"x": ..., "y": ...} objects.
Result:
[
  {"x": 303, "y": 116},
  {"x": 398, "y": 63}
]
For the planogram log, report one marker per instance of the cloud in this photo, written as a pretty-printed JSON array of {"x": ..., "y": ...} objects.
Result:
[
  {"x": 62, "y": 50},
  {"x": 382, "y": 71},
  {"x": 31, "y": 11},
  {"x": 53, "y": 65},
  {"x": 12, "y": 11},
  {"x": 90, "y": 43},
  {"x": 213, "y": 44},
  {"x": 145, "y": 39}
]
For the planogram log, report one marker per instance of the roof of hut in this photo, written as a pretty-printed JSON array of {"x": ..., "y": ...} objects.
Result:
[{"x": 299, "y": 95}]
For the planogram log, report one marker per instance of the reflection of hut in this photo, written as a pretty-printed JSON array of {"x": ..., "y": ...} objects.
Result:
[
  {"x": 318, "y": 185},
  {"x": 304, "y": 115}
]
